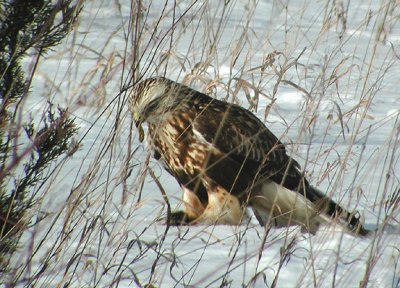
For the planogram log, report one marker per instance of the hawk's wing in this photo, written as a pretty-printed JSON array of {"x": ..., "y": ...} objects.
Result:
[{"x": 249, "y": 150}]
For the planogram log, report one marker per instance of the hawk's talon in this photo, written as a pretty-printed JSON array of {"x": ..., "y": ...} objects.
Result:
[{"x": 177, "y": 218}]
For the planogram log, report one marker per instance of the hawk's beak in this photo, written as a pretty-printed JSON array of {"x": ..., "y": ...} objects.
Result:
[{"x": 138, "y": 124}]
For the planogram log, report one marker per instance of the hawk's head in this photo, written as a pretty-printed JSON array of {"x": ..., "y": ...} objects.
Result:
[
  {"x": 152, "y": 99},
  {"x": 145, "y": 98}
]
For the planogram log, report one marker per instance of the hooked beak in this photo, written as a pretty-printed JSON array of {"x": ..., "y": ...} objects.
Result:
[{"x": 138, "y": 124}]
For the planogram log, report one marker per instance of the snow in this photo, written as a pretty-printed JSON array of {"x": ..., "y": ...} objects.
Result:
[{"x": 100, "y": 231}]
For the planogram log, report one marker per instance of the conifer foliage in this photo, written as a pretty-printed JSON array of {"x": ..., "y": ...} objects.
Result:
[{"x": 27, "y": 149}]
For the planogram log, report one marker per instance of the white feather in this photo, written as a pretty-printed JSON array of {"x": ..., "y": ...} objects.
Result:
[{"x": 275, "y": 204}]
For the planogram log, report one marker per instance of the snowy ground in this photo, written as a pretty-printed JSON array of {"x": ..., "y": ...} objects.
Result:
[{"x": 101, "y": 228}]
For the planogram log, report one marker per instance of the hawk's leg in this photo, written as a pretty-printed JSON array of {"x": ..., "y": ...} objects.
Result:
[
  {"x": 222, "y": 208},
  {"x": 193, "y": 208},
  {"x": 192, "y": 205}
]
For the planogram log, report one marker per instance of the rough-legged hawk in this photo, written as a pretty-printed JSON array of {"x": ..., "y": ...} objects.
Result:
[{"x": 225, "y": 159}]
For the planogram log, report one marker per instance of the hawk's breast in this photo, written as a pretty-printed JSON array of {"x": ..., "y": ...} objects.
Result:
[{"x": 181, "y": 149}]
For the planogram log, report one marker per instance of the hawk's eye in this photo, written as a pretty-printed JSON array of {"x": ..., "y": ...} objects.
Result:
[{"x": 152, "y": 106}]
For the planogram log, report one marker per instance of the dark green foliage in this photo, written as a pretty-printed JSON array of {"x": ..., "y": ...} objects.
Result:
[{"x": 27, "y": 26}]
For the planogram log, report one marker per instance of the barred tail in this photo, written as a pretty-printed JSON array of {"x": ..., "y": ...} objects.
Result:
[{"x": 351, "y": 220}]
